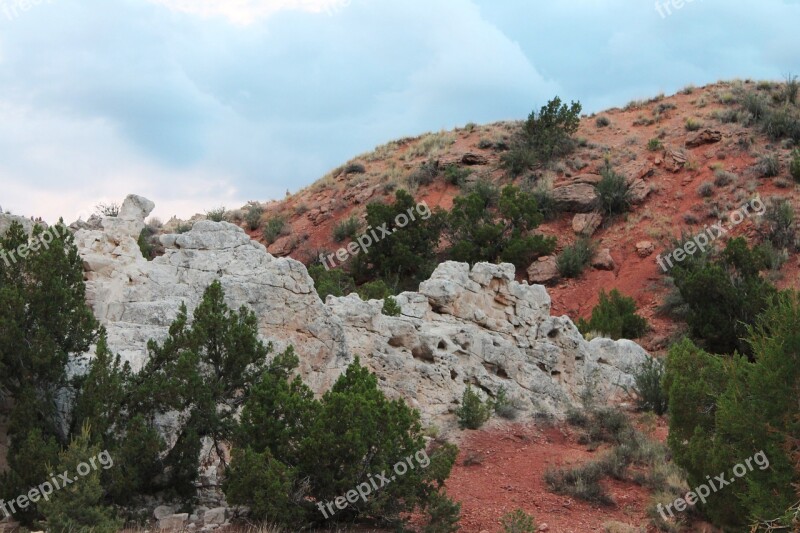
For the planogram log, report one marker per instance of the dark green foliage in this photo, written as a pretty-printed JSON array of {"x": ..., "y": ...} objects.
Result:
[
  {"x": 479, "y": 231},
  {"x": 253, "y": 216},
  {"x": 346, "y": 229},
  {"x": 355, "y": 168},
  {"x": 473, "y": 412},
  {"x": 518, "y": 521},
  {"x": 391, "y": 307},
  {"x": 794, "y": 165},
  {"x": 574, "y": 259},
  {"x": 443, "y": 514},
  {"x": 145, "y": 246},
  {"x": 654, "y": 144},
  {"x": 503, "y": 406},
  {"x": 79, "y": 507},
  {"x": 334, "y": 282},
  {"x": 615, "y": 316},
  {"x": 602, "y": 121},
  {"x": 407, "y": 254},
  {"x": 545, "y": 135},
  {"x": 374, "y": 290},
  {"x": 46, "y": 324},
  {"x": 206, "y": 371},
  {"x": 613, "y": 192},
  {"x": 273, "y": 228},
  {"x": 456, "y": 175},
  {"x": 649, "y": 387},
  {"x": 295, "y": 450},
  {"x": 724, "y": 295},
  {"x": 779, "y": 225},
  {"x": 724, "y": 410}
]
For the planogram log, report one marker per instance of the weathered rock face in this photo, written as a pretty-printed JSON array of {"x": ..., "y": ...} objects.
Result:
[{"x": 475, "y": 326}]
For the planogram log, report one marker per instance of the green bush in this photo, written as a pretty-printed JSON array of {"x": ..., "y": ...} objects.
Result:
[
  {"x": 545, "y": 135},
  {"x": 574, "y": 259},
  {"x": 334, "y": 282},
  {"x": 602, "y": 121},
  {"x": 406, "y": 256},
  {"x": 654, "y": 144},
  {"x": 443, "y": 514},
  {"x": 615, "y": 316},
  {"x": 518, "y": 521},
  {"x": 768, "y": 166},
  {"x": 253, "y": 216},
  {"x": 725, "y": 410},
  {"x": 216, "y": 215},
  {"x": 80, "y": 507},
  {"x": 391, "y": 307},
  {"x": 794, "y": 165},
  {"x": 723, "y": 295},
  {"x": 613, "y": 192},
  {"x": 473, "y": 412},
  {"x": 779, "y": 224},
  {"x": 479, "y": 231},
  {"x": 456, "y": 175},
  {"x": 274, "y": 227},
  {"x": 346, "y": 229},
  {"x": 649, "y": 388},
  {"x": 693, "y": 124},
  {"x": 303, "y": 450}
]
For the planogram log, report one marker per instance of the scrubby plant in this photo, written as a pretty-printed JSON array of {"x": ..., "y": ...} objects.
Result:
[
  {"x": 613, "y": 193},
  {"x": 778, "y": 224},
  {"x": 503, "y": 406},
  {"x": 425, "y": 174},
  {"x": 274, "y": 228},
  {"x": 768, "y": 166},
  {"x": 346, "y": 229},
  {"x": 655, "y": 144},
  {"x": 473, "y": 412},
  {"x": 331, "y": 282},
  {"x": 615, "y": 316},
  {"x": 253, "y": 215},
  {"x": 80, "y": 507},
  {"x": 724, "y": 294},
  {"x": 705, "y": 189},
  {"x": 602, "y": 121},
  {"x": 545, "y": 135},
  {"x": 518, "y": 521},
  {"x": 354, "y": 168},
  {"x": 573, "y": 260},
  {"x": 723, "y": 178},
  {"x": 582, "y": 483},
  {"x": 107, "y": 210},
  {"x": 391, "y": 307},
  {"x": 650, "y": 393},
  {"x": 692, "y": 124},
  {"x": 481, "y": 231},
  {"x": 443, "y": 514},
  {"x": 216, "y": 215},
  {"x": 456, "y": 175},
  {"x": 794, "y": 165}
]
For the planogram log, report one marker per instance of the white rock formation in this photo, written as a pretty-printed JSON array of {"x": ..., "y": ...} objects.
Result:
[{"x": 464, "y": 326}]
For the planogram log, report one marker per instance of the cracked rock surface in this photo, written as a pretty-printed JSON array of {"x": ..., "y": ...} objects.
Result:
[{"x": 464, "y": 326}]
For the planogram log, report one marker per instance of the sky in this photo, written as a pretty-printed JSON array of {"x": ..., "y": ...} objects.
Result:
[{"x": 197, "y": 104}]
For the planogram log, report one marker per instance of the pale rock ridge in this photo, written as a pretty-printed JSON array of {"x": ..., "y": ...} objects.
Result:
[{"x": 465, "y": 325}]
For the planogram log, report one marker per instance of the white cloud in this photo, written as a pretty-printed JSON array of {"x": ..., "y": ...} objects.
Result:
[{"x": 245, "y": 12}]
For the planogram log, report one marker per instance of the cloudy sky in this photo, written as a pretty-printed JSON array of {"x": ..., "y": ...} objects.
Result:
[{"x": 202, "y": 103}]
